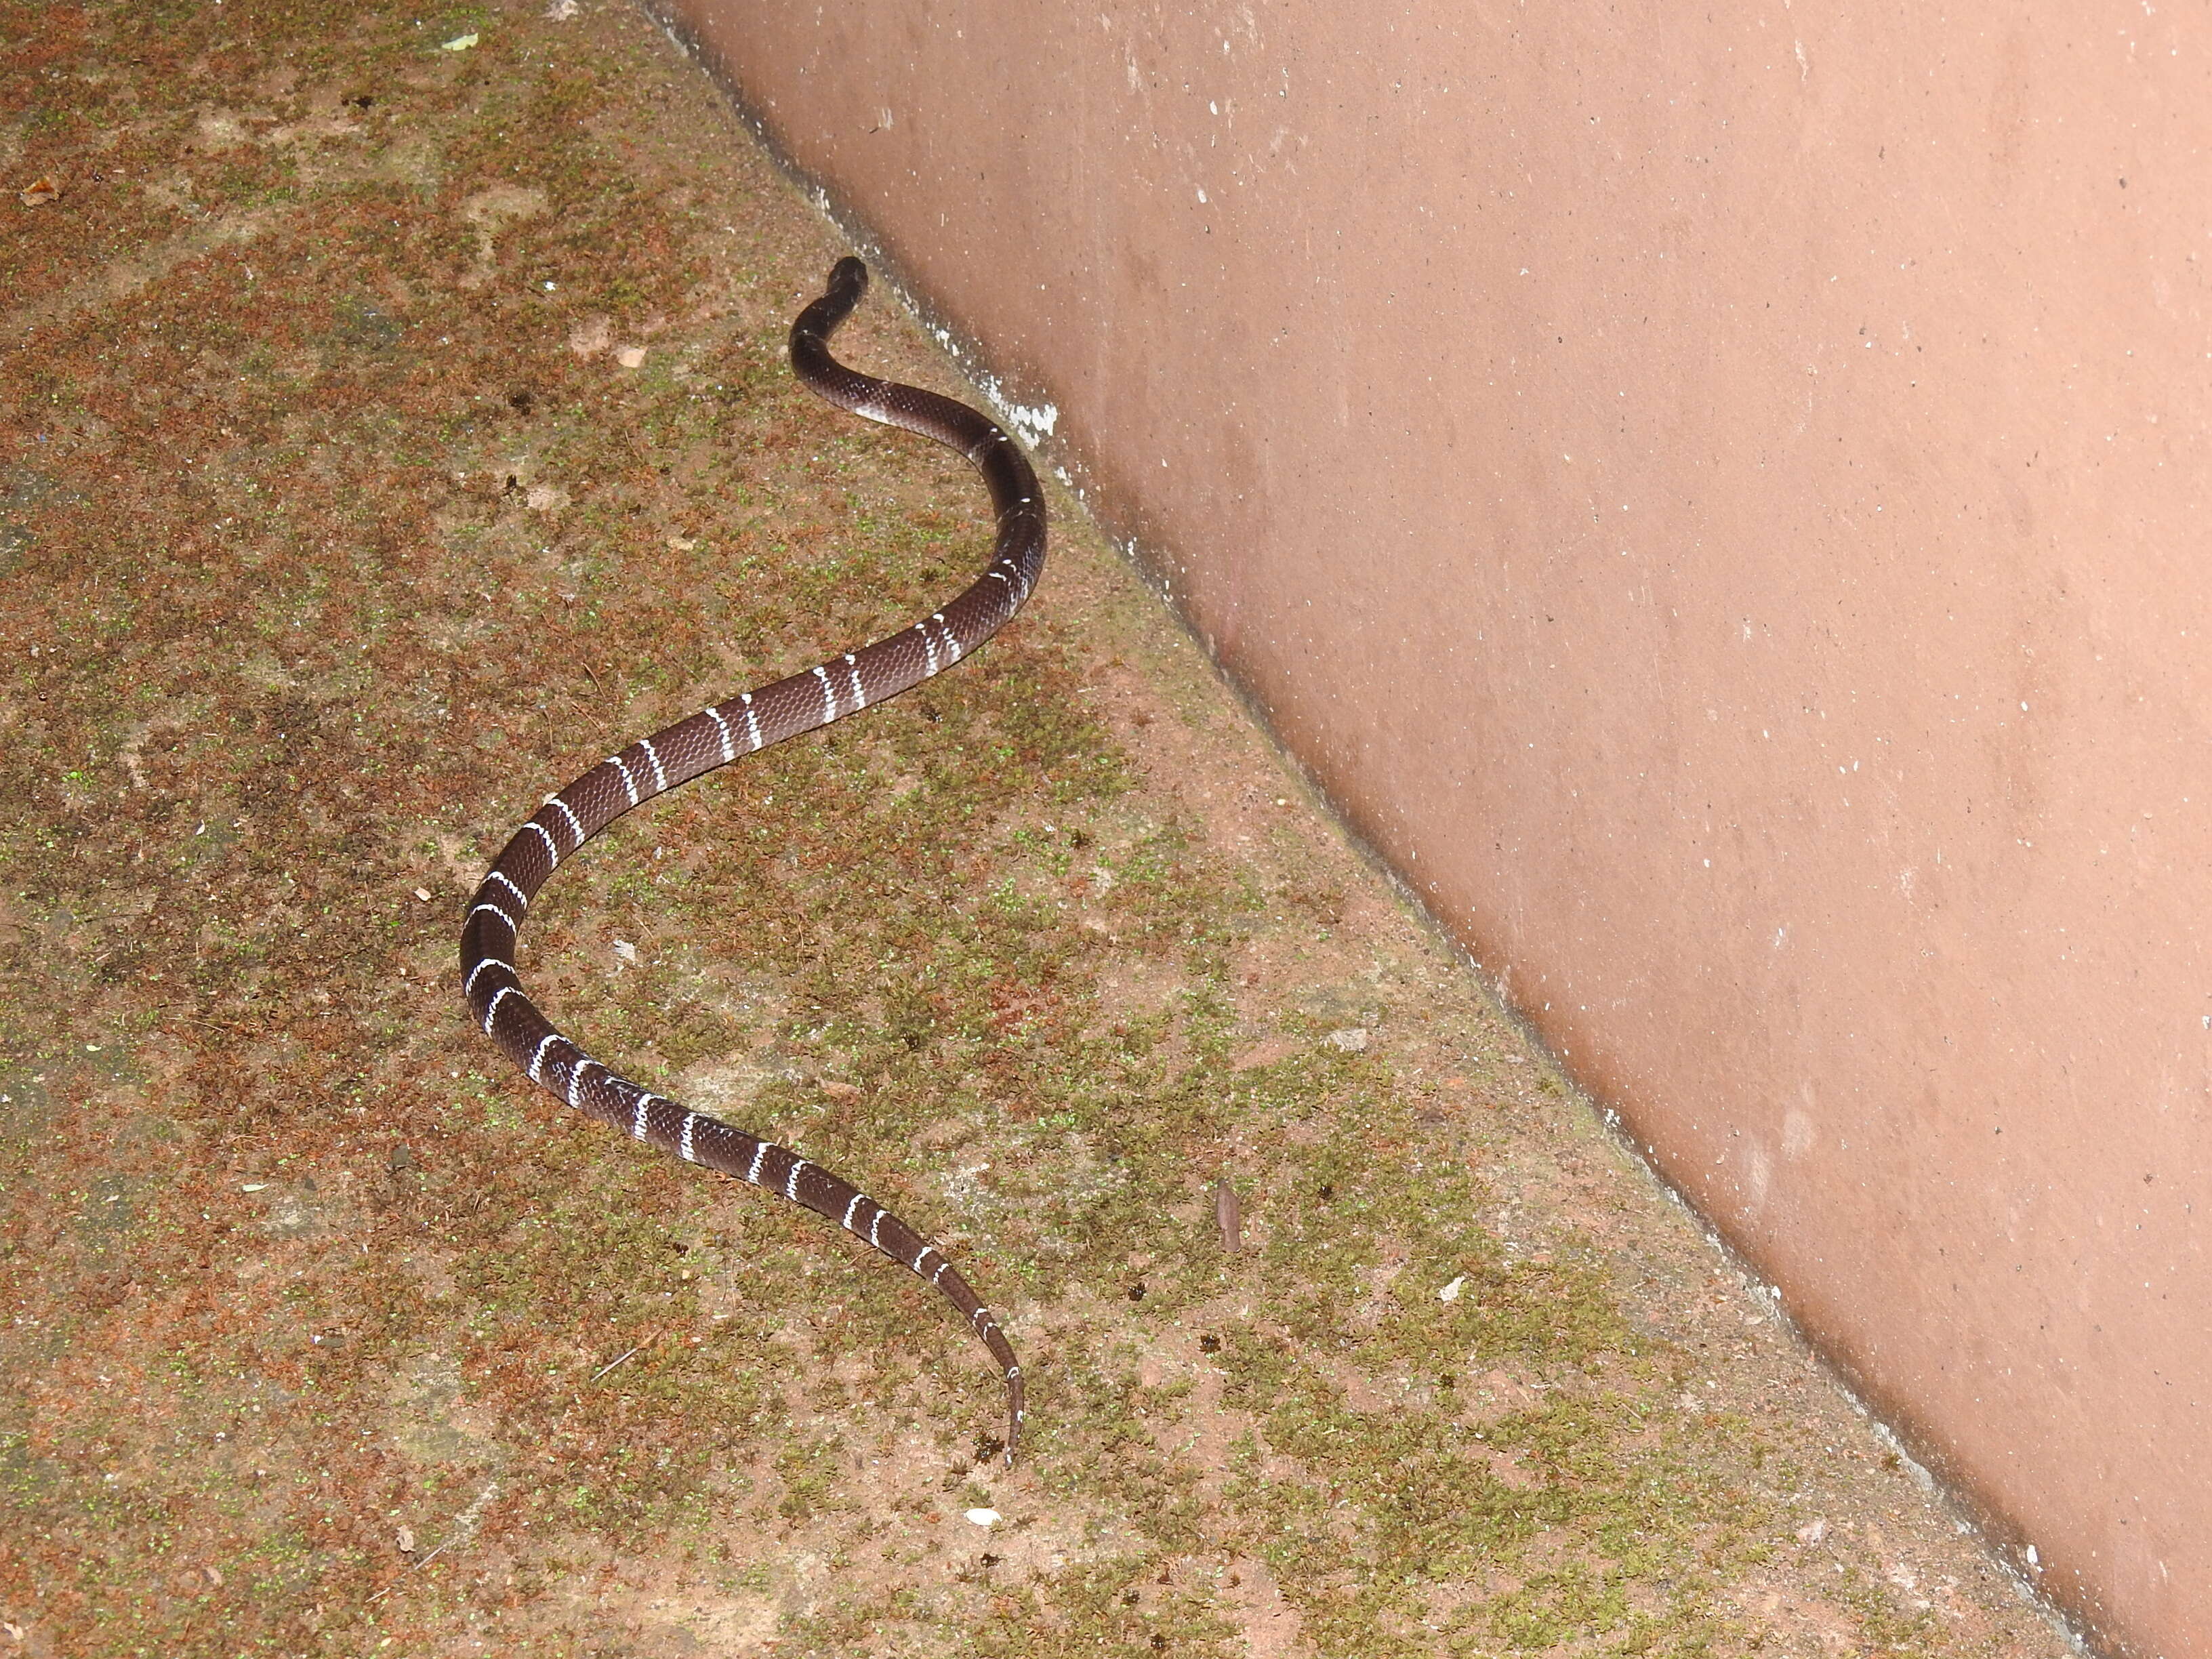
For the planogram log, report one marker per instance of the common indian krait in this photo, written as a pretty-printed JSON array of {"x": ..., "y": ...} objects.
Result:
[{"x": 842, "y": 686}]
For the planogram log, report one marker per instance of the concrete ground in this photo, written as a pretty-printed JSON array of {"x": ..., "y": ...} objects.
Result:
[{"x": 393, "y": 421}]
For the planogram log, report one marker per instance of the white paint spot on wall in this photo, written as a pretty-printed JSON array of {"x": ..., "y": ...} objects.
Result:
[
  {"x": 1032, "y": 422},
  {"x": 1759, "y": 1171}
]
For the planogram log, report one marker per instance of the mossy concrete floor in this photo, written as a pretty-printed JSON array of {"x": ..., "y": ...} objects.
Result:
[{"x": 396, "y": 422}]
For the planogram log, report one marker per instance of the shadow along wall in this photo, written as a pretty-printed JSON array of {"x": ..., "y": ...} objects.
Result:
[{"x": 1718, "y": 499}]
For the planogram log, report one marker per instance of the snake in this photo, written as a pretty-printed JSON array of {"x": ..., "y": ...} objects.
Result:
[{"x": 831, "y": 690}]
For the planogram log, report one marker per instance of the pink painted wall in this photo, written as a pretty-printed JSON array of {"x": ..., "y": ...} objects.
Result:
[{"x": 1719, "y": 498}]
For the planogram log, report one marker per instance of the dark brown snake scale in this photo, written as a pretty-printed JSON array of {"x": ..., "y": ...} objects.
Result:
[{"x": 842, "y": 686}]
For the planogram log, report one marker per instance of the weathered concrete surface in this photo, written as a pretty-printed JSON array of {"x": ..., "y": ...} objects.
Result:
[
  {"x": 393, "y": 420},
  {"x": 1718, "y": 500}
]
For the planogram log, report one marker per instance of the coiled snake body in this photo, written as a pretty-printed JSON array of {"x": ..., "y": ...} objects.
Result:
[{"x": 842, "y": 686}]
